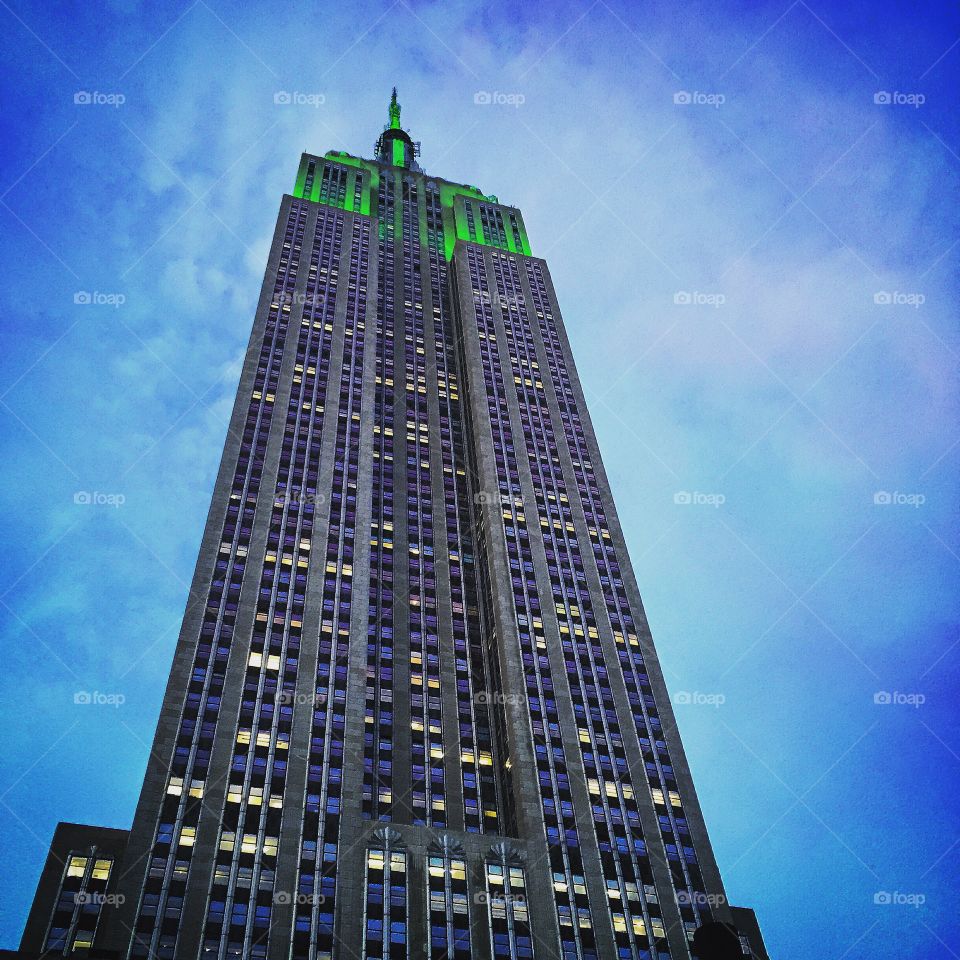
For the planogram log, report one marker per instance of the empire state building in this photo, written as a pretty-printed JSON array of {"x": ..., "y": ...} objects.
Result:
[{"x": 415, "y": 710}]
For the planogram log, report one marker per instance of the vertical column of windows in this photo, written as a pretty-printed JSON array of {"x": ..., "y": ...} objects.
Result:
[
  {"x": 481, "y": 807},
  {"x": 570, "y": 892},
  {"x": 82, "y": 896},
  {"x": 448, "y": 930},
  {"x": 308, "y": 181},
  {"x": 386, "y": 905},
  {"x": 471, "y": 221},
  {"x": 616, "y": 817},
  {"x": 328, "y": 184},
  {"x": 316, "y": 885},
  {"x": 426, "y": 717},
  {"x": 515, "y": 231},
  {"x": 688, "y": 880},
  {"x": 242, "y": 894},
  {"x": 332, "y": 189},
  {"x": 358, "y": 189},
  {"x": 378, "y": 737},
  {"x": 162, "y": 900},
  {"x": 492, "y": 221},
  {"x": 507, "y": 913}
]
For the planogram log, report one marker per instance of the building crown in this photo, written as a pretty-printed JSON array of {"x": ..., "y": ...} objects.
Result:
[{"x": 395, "y": 145}]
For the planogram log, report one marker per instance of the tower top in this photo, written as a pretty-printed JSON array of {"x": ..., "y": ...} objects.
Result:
[
  {"x": 394, "y": 111},
  {"x": 395, "y": 145}
]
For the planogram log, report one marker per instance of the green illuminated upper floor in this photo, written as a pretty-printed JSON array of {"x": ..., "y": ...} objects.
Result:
[{"x": 352, "y": 183}]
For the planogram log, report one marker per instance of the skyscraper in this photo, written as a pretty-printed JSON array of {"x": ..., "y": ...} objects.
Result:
[{"x": 415, "y": 710}]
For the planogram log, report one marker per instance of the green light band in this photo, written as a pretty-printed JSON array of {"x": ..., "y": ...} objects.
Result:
[
  {"x": 454, "y": 219},
  {"x": 511, "y": 244}
]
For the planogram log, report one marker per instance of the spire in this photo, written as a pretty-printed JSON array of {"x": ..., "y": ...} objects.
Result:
[
  {"x": 394, "y": 145},
  {"x": 394, "y": 111}
]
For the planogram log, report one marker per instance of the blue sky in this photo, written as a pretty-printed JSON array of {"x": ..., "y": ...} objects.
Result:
[{"x": 756, "y": 264}]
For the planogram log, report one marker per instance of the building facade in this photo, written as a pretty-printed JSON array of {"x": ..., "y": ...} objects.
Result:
[{"x": 415, "y": 710}]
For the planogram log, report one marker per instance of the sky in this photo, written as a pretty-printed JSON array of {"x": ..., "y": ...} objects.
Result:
[{"x": 749, "y": 215}]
